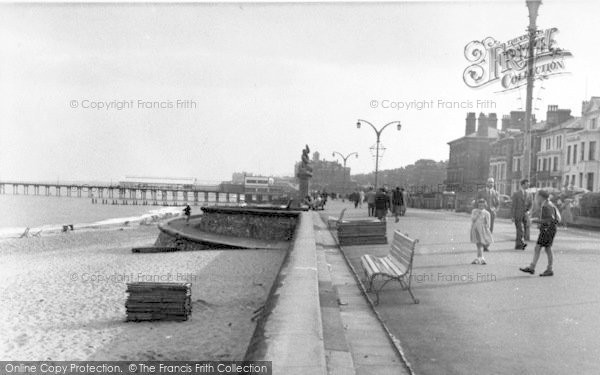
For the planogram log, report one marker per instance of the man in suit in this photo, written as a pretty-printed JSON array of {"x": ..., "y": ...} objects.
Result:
[
  {"x": 521, "y": 204},
  {"x": 490, "y": 195}
]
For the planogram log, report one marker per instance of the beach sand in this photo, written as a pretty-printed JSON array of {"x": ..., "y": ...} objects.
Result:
[{"x": 62, "y": 297}]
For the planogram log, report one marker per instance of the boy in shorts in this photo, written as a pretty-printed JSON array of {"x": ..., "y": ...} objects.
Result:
[{"x": 548, "y": 219}]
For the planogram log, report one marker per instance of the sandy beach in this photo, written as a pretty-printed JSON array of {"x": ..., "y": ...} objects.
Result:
[{"x": 62, "y": 297}]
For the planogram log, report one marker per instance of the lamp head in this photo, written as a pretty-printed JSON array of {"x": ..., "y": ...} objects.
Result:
[
  {"x": 357, "y": 155},
  {"x": 533, "y": 6},
  {"x": 399, "y": 126},
  {"x": 358, "y": 124}
]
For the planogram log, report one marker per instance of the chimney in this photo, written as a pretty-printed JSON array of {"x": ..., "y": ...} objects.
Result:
[
  {"x": 482, "y": 125},
  {"x": 555, "y": 116},
  {"x": 584, "y": 105},
  {"x": 505, "y": 122},
  {"x": 470, "y": 126},
  {"x": 493, "y": 121},
  {"x": 517, "y": 119}
]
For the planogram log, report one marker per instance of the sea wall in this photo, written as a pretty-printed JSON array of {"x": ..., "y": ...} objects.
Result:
[{"x": 263, "y": 224}]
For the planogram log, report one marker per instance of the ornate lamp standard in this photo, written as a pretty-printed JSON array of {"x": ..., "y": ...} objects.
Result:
[
  {"x": 345, "y": 158},
  {"x": 378, "y": 134},
  {"x": 532, "y": 7}
]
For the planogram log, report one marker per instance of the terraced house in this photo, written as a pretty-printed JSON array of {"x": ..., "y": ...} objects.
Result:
[
  {"x": 582, "y": 164},
  {"x": 551, "y": 156}
]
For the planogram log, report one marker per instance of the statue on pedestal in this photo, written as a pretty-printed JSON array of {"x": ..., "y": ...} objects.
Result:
[{"x": 304, "y": 172}]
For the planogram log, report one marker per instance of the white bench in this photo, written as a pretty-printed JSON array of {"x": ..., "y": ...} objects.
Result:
[
  {"x": 332, "y": 222},
  {"x": 396, "y": 266}
]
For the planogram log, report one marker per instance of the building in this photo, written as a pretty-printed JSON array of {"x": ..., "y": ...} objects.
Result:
[
  {"x": 551, "y": 157},
  {"x": 582, "y": 165},
  {"x": 469, "y": 160}
]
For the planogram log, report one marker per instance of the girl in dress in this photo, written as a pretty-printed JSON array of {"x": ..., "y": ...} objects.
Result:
[{"x": 481, "y": 235}]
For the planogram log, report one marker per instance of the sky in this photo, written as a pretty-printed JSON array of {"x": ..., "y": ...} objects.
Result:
[{"x": 103, "y": 91}]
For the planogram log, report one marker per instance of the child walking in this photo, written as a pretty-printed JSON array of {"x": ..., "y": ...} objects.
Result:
[
  {"x": 481, "y": 235},
  {"x": 548, "y": 220}
]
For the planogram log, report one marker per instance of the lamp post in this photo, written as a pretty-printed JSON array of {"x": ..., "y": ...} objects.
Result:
[
  {"x": 345, "y": 158},
  {"x": 532, "y": 7},
  {"x": 378, "y": 134}
]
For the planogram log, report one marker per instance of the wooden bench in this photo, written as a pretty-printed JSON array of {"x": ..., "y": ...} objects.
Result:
[
  {"x": 332, "y": 222},
  {"x": 396, "y": 266}
]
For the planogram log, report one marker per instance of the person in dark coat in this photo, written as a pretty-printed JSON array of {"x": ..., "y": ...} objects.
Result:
[
  {"x": 397, "y": 203},
  {"x": 381, "y": 204},
  {"x": 187, "y": 211},
  {"x": 521, "y": 204}
]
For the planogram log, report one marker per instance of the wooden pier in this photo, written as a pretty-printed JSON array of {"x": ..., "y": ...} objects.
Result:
[{"x": 146, "y": 196}]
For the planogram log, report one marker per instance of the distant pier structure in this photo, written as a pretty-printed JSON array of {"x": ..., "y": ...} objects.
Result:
[{"x": 141, "y": 191}]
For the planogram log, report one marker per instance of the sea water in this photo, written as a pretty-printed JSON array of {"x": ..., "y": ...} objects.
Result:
[{"x": 49, "y": 213}]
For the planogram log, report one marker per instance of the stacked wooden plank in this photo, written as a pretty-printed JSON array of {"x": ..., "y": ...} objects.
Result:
[
  {"x": 154, "y": 249},
  {"x": 361, "y": 232},
  {"x": 158, "y": 301}
]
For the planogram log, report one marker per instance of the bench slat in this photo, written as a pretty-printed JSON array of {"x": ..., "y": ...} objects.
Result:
[
  {"x": 401, "y": 255},
  {"x": 404, "y": 241}
]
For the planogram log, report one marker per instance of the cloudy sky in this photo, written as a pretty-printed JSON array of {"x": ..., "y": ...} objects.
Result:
[{"x": 256, "y": 82}]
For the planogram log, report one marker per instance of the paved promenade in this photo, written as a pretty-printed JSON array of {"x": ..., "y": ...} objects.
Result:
[{"x": 490, "y": 319}]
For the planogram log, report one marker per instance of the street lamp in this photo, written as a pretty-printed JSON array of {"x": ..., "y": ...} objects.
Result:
[
  {"x": 378, "y": 134},
  {"x": 532, "y": 7},
  {"x": 345, "y": 158}
]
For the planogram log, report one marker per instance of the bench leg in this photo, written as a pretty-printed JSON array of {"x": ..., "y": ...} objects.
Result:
[{"x": 415, "y": 300}]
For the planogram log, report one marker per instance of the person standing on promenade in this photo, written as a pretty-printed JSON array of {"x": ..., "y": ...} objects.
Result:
[
  {"x": 397, "y": 203},
  {"x": 481, "y": 235},
  {"x": 381, "y": 204},
  {"x": 521, "y": 204},
  {"x": 490, "y": 195},
  {"x": 187, "y": 211},
  {"x": 548, "y": 220},
  {"x": 404, "y": 202},
  {"x": 361, "y": 195},
  {"x": 371, "y": 201}
]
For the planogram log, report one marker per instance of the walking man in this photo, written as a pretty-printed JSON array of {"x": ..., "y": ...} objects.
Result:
[
  {"x": 397, "y": 203},
  {"x": 521, "y": 204},
  {"x": 370, "y": 196}
]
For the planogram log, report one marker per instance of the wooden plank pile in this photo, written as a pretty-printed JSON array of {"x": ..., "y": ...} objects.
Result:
[
  {"x": 158, "y": 301},
  {"x": 154, "y": 249},
  {"x": 361, "y": 232}
]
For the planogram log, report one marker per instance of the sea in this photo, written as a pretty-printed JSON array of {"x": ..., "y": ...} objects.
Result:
[{"x": 50, "y": 213}]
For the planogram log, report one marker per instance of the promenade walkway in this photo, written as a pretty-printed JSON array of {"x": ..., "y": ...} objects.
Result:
[{"x": 490, "y": 319}]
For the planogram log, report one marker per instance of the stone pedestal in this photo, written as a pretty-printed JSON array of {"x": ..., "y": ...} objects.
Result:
[{"x": 303, "y": 178}]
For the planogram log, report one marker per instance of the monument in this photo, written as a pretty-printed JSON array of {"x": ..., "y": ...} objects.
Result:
[{"x": 304, "y": 173}]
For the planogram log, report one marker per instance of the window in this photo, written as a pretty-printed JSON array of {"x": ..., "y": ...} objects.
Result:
[
  {"x": 582, "y": 151},
  {"x": 568, "y": 155},
  {"x": 555, "y": 164},
  {"x": 518, "y": 164},
  {"x": 559, "y": 141},
  {"x": 592, "y": 151},
  {"x": 539, "y": 168},
  {"x": 593, "y": 123},
  {"x": 572, "y": 180},
  {"x": 574, "y": 154},
  {"x": 545, "y": 163},
  {"x": 580, "y": 179},
  {"x": 590, "y": 182},
  {"x": 548, "y": 143}
]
